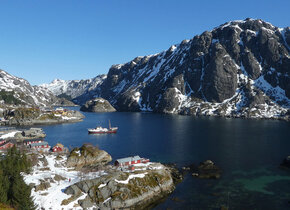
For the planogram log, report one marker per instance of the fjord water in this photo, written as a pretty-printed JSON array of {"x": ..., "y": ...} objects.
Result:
[{"x": 248, "y": 151}]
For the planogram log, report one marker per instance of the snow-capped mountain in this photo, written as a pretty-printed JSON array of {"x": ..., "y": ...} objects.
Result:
[
  {"x": 74, "y": 88},
  {"x": 15, "y": 90},
  {"x": 239, "y": 69}
]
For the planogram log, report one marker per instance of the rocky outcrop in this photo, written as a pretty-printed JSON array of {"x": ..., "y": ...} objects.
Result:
[
  {"x": 239, "y": 69},
  {"x": 207, "y": 170},
  {"x": 42, "y": 186},
  {"x": 97, "y": 105},
  {"x": 286, "y": 163},
  {"x": 31, "y": 133},
  {"x": 119, "y": 190},
  {"x": 87, "y": 155}
]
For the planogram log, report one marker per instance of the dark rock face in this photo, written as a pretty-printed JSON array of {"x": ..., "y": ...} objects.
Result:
[
  {"x": 97, "y": 105},
  {"x": 216, "y": 73},
  {"x": 220, "y": 80},
  {"x": 286, "y": 163}
]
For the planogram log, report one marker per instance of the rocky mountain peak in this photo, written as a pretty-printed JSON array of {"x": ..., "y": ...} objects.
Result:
[
  {"x": 240, "y": 69},
  {"x": 223, "y": 70}
]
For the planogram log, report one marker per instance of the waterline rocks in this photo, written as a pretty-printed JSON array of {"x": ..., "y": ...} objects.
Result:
[
  {"x": 32, "y": 115},
  {"x": 207, "y": 170},
  {"x": 97, "y": 105}
]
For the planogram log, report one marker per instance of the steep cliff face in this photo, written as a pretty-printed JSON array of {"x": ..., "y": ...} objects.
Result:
[
  {"x": 241, "y": 68},
  {"x": 18, "y": 91}
]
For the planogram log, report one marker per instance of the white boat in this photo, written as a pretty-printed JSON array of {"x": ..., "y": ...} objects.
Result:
[{"x": 101, "y": 130}]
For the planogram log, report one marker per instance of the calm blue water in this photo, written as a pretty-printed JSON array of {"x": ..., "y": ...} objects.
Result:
[{"x": 248, "y": 151}]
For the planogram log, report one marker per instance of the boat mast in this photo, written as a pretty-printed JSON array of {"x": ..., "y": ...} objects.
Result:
[{"x": 109, "y": 124}]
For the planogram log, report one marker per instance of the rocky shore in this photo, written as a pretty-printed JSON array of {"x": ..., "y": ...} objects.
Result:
[
  {"x": 33, "y": 116},
  {"x": 83, "y": 179}
]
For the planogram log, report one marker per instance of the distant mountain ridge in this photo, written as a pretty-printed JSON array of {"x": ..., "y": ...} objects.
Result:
[
  {"x": 239, "y": 69},
  {"x": 18, "y": 91},
  {"x": 74, "y": 88}
]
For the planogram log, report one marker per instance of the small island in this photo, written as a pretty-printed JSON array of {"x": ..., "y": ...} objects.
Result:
[{"x": 97, "y": 105}]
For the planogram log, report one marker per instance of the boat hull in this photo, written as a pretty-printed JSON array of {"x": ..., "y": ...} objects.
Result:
[{"x": 102, "y": 132}]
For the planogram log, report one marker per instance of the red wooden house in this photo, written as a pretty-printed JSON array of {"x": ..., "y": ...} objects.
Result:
[
  {"x": 58, "y": 148},
  {"x": 6, "y": 145},
  {"x": 130, "y": 161},
  {"x": 27, "y": 142},
  {"x": 40, "y": 146}
]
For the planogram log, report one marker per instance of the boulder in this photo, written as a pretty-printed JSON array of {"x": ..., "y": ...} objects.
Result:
[
  {"x": 42, "y": 186},
  {"x": 87, "y": 155},
  {"x": 86, "y": 203}
]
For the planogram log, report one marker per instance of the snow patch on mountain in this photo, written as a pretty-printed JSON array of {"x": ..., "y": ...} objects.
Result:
[
  {"x": 24, "y": 92},
  {"x": 74, "y": 88}
]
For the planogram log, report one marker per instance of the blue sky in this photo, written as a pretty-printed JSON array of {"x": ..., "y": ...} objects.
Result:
[{"x": 41, "y": 40}]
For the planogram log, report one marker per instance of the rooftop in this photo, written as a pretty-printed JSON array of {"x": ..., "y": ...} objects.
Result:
[{"x": 127, "y": 159}]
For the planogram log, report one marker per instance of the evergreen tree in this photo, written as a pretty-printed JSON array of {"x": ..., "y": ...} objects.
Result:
[
  {"x": 4, "y": 186},
  {"x": 13, "y": 190},
  {"x": 19, "y": 194}
]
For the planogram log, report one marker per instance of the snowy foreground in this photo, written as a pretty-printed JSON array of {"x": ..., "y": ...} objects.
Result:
[
  {"x": 9, "y": 135},
  {"x": 52, "y": 197}
]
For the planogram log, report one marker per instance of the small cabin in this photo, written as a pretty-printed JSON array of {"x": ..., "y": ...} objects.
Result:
[
  {"x": 58, "y": 148},
  {"x": 6, "y": 145},
  {"x": 2, "y": 141},
  {"x": 27, "y": 142},
  {"x": 40, "y": 146},
  {"x": 130, "y": 161}
]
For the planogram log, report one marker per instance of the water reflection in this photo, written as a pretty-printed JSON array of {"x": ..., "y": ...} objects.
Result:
[{"x": 236, "y": 145}]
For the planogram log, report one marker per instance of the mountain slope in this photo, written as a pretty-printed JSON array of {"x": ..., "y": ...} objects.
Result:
[
  {"x": 15, "y": 90},
  {"x": 74, "y": 88},
  {"x": 240, "y": 69}
]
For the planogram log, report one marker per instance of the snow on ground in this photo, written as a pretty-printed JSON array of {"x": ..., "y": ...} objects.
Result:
[
  {"x": 9, "y": 135},
  {"x": 68, "y": 118},
  {"x": 131, "y": 176},
  {"x": 52, "y": 197}
]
